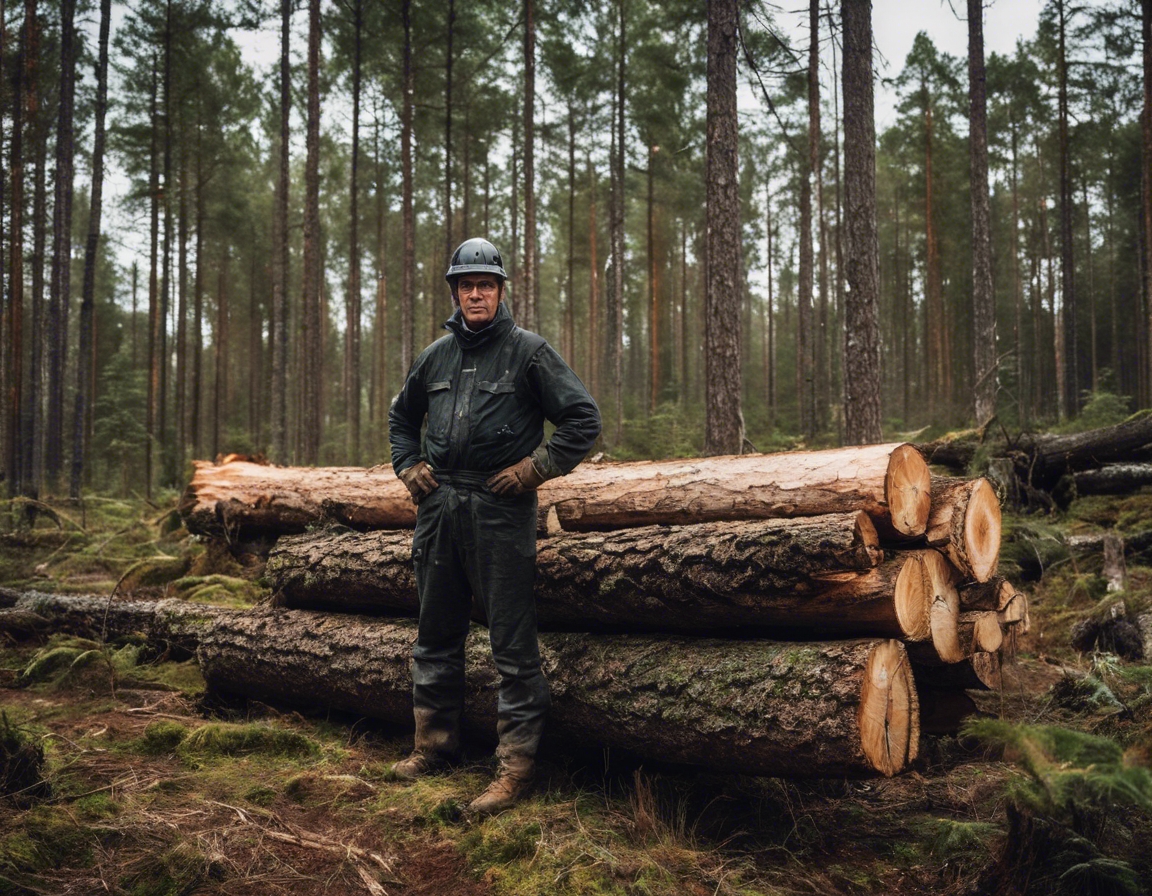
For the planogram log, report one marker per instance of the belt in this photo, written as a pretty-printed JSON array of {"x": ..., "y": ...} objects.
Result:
[{"x": 463, "y": 478}]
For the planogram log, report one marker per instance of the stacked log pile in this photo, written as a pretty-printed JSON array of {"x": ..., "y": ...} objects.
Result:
[{"x": 782, "y": 614}]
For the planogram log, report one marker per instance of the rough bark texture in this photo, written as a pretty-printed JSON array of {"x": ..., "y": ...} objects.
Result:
[
  {"x": 964, "y": 522},
  {"x": 711, "y": 576},
  {"x": 169, "y": 623},
  {"x": 983, "y": 297},
  {"x": 750, "y": 706},
  {"x": 862, "y": 261},
  {"x": 1113, "y": 479},
  {"x": 312, "y": 316},
  {"x": 890, "y": 483},
  {"x": 724, "y": 421},
  {"x": 995, "y": 594}
]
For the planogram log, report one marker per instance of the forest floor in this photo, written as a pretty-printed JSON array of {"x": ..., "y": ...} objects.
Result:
[{"x": 151, "y": 787}]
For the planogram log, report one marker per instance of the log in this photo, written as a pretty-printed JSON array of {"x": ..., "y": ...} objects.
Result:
[
  {"x": 710, "y": 577},
  {"x": 1048, "y": 456},
  {"x": 1112, "y": 479},
  {"x": 890, "y": 483},
  {"x": 753, "y": 707},
  {"x": 995, "y": 594},
  {"x": 944, "y": 613},
  {"x": 1015, "y": 612},
  {"x": 20, "y": 625},
  {"x": 964, "y": 523},
  {"x": 169, "y": 623}
]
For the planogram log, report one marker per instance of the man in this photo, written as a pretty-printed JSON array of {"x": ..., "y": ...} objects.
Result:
[{"x": 485, "y": 389}]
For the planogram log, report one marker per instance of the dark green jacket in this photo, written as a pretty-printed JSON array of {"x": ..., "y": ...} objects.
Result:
[{"x": 486, "y": 396}]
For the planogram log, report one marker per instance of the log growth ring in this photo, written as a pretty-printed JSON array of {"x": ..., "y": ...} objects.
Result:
[
  {"x": 982, "y": 527},
  {"x": 889, "y": 714},
  {"x": 908, "y": 490}
]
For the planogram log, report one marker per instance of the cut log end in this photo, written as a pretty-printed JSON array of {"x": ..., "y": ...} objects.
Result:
[
  {"x": 868, "y": 537},
  {"x": 913, "y": 600},
  {"x": 982, "y": 530},
  {"x": 908, "y": 490},
  {"x": 889, "y": 718},
  {"x": 945, "y": 608}
]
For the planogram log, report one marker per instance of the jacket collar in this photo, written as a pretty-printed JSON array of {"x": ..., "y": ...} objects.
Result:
[{"x": 468, "y": 339}]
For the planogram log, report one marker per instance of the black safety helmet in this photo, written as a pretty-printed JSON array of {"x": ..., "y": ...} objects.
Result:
[{"x": 475, "y": 256}]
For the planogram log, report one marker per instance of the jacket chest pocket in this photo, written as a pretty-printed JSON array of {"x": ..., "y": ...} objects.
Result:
[
  {"x": 440, "y": 397},
  {"x": 496, "y": 407}
]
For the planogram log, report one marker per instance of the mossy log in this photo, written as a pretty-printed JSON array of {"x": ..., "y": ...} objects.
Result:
[
  {"x": 890, "y": 483},
  {"x": 786, "y": 574},
  {"x": 964, "y": 523},
  {"x": 759, "y": 707},
  {"x": 166, "y": 623}
]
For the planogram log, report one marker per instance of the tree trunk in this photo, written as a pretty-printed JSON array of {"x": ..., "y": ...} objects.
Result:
[
  {"x": 983, "y": 297},
  {"x": 1113, "y": 479},
  {"x": 279, "y": 334},
  {"x": 529, "y": 317},
  {"x": 59, "y": 292},
  {"x": 312, "y": 320},
  {"x": 1067, "y": 260},
  {"x": 84, "y": 380},
  {"x": 15, "y": 470},
  {"x": 352, "y": 326},
  {"x": 811, "y": 574},
  {"x": 845, "y": 708},
  {"x": 594, "y": 328},
  {"x": 888, "y": 482},
  {"x": 1146, "y": 173},
  {"x": 616, "y": 296},
  {"x": 724, "y": 421},
  {"x": 408, "y": 223},
  {"x": 805, "y": 374},
  {"x": 155, "y": 319},
  {"x": 964, "y": 523},
  {"x": 862, "y": 381}
]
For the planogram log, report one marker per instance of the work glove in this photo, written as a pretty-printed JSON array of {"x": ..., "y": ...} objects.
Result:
[
  {"x": 419, "y": 480},
  {"x": 521, "y": 477}
]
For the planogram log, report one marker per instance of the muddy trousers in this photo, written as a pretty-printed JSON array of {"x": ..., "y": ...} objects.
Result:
[{"x": 471, "y": 545}]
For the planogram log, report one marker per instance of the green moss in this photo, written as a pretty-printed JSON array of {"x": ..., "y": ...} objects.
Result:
[
  {"x": 178, "y": 871},
  {"x": 161, "y": 737},
  {"x": 260, "y": 795},
  {"x": 96, "y": 806},
  {"x": 220, "y": 739},
  {"x": 153, "y": 572},
  {"x": 220, "y": 590},
  {"x": 48, "y": 837},
  {"x": 184, "y": 677}
]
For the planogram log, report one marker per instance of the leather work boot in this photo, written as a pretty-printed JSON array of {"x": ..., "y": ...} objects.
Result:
[
  {"x": 513, "y": 782},
  {"x": 418, "y": 764}
]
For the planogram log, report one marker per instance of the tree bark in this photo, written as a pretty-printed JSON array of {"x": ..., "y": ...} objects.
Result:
[
  {"x": 964, "y": 523},
  {"x": 1146, "y": 176},
  {"x": 814, "y": 574},
  {"x": 617, "y": 239},
  {"x": 724, "y": 420},
  {"x": 862, "y": 380},
  {"x": 888, "y": 482},
  {"x": 528, "y": 317},
  {"x": 352, "y": 326},
  {"x": 155, "y": 319},
  {"x": 845, "y": 708},
  {"x": 983, "y": 297},
  {"x": 805, "y": 374},
  {"x": 1067, "y": 260},
  {"x": 312, "y": 320},
  {"x": 84, "y": 379},
  {"x": 1113, "y": 479},
  {"x": 408, "y": 222},
  {"x": 279, "y": 334},
  {"x": 59, "y": 292}
]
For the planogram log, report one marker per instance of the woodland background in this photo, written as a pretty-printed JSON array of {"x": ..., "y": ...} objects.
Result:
[{"x": 284, "y": 293}]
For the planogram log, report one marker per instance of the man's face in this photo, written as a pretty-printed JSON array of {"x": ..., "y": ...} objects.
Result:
[{"x": 479, "y": 296}]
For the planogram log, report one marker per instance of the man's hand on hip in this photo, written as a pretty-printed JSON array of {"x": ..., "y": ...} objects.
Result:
[
  {"x": 419, "y": 480},
  {"x": 515, "y": 480}
]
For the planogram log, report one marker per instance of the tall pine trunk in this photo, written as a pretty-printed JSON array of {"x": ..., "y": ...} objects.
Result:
[
  {"x": 312, "y": 319},
  {"x": 1067, "y": 261},
  {"x": 805, "y": 342},
  {"x": 862, "y": 303},
  {"x": 983, "y": 297},
  {"x": 86, "y": 353},
  {"x": 155, "y": 318},
  {"x": 59, "y": 293},
  {"x": 279, "y": 334},
  {"x": 1146, "y": 169},
  {"x": 653, "y": 303},
  {"x": 449, "y": 244},
  {"x": 616, "y": 295},
  {"x": 352, "y": 325},
  {"x": 408, "y": 284},
  {"x": 530, "y": 313},
  {"x": 724, "y": 422},
  {"x": 594, "y": 328}
]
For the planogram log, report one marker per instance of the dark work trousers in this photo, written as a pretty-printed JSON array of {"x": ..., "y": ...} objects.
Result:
[{"x": 470, "y": 544}]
